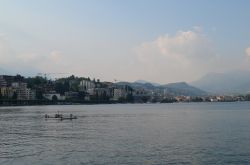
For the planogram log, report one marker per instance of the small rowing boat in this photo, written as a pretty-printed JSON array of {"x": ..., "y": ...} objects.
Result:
[{"x": 60, "y": 116}]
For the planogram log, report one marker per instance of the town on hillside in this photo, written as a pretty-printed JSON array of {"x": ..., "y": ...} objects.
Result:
[{"x": 18, "y": 90}]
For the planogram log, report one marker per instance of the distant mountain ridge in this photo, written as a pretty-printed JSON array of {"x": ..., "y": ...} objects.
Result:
[
  {"x": 182, "y": 88},
  {"x": 233, "y": 82},
  {"x": 146, "y": 82},
  {"x": 175, "y": 89}
]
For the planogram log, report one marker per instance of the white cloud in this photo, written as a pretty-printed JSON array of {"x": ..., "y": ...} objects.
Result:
[
  {"x": 198, "y": 28},
  {"x": 4, "y": 50},
  {"x": 185, "y": 56},
  {"x": 183, "y": 46},
  {"x": 55, "y": 55},
  {"x": 248, "y": 52},
  {"x": 19, "y": 61}
]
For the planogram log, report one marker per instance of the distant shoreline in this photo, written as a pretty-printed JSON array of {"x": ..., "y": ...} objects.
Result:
[
  {"x": 14, "y": 103},
  {"x": 49, "y": 102}
]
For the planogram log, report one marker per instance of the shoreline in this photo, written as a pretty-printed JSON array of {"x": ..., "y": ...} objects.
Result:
[{"x": 15, "y": 103}]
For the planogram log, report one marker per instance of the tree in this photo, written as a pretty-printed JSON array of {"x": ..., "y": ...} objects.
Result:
[
  {"x": 74, "y": 86},
  {"x": 18, "y": 78},
  {"x": 1, "y": 97},
  {"x": 169, "y": 100},
  {"x": 197, "y": 99},
  {"x": 14, "y": 97},
  {"x": 54, "y": 98},
  {"x": 130, "y": 98},
  {"x": 144, "y": 99},
  {"x": 248, "y": 97},
  {"x": 62, "y": 85},
  {"x": 72, "y": 77},
  {"x": 33, "y": 82},
  {"x": 59, "y": 87},
  {"x": 122, "y": 100},
  {"x": 39, "y": 94}
]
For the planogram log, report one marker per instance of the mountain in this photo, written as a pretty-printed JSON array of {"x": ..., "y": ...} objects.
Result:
[
  {"x": 182, "y": 88},
  {"x": 147, "y": 82},
  {"x": 137, "y": 85},
  {"x": 233, "y": 82},
  {"x": 174, "y": 89}
]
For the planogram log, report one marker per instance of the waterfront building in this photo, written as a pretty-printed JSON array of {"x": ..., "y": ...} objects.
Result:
[
  {"x": 119, "y": 93},
  {"x": 53, "y": 96},
  {"x": 71, "y": 95},
  {"x": 102, "y": 92},
  {"x": 30, "y": 94},
  {"x": 22, "y": 92},
  {"x": 5, "y": 80},
  {"x": 7, "y": 92},
  {"x": 86, "y": 85},
  {"x": 3, "y": 83},
  {"x": 87, "y": 97}
]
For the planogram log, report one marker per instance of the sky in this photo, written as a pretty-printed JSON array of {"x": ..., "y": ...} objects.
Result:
[{"x": 160, "y": 41}]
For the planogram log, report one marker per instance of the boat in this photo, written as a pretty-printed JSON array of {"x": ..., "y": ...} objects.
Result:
[
  {"x": 60, "y": 116},
  {"x": 68, "y": 118}
]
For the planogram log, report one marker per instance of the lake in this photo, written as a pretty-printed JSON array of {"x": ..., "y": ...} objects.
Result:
[{"x": 131, "y": 134}]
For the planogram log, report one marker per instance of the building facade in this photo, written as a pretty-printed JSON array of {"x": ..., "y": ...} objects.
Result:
[
  {"x": 22, "y": 92},
  {"x": 86, "y": 85}
]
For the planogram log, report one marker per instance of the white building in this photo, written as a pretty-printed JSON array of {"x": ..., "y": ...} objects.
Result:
[
  {"x": 86, "y": 84},
  {"x": 119, "y": 93},
  {"x": 52, "y": 95},
  {"x": 7, "y": 92},
  {"x": 31, "y": 94},
  {"x": 3, "y": 83},
  {"x": 23, "y": 93}
]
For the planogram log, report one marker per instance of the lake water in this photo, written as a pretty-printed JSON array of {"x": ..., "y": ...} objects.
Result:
[{"x": 133, "y": 134}]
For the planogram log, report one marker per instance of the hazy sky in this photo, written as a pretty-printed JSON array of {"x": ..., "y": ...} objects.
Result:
[{"x": 160, "y": 41}]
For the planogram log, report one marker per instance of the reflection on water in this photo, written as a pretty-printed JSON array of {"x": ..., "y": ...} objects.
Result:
[{"x": 202, "y": 133}]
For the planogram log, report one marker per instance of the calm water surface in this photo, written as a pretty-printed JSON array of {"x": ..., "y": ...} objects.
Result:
[{"x": 194, "y": 133}]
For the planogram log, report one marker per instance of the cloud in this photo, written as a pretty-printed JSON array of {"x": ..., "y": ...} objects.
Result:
[
  {"x": 184, "y": 56},
  {"x": 248, "y": 52},
  {"x": 31, "y": 61},
  {"x": 185, "y": 45},
  {"x": 55, "y": 55},
  {"x": 5, "y": 50}
]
